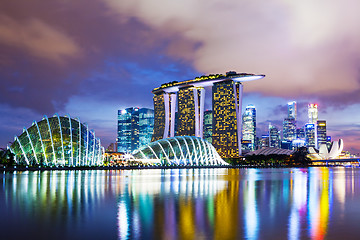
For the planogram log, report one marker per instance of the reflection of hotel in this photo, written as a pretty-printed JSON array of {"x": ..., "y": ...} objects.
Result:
[{"x": 189, "y": 98}]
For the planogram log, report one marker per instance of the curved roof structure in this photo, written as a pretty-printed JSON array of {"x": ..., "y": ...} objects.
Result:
[
  {"x": 57, "y": 141},
  {"x": 323, "y": 153},
  {"x": 205, "y": 81},
  {"x": 271, "y": 150},
  {"x": 180, "y": 150}
]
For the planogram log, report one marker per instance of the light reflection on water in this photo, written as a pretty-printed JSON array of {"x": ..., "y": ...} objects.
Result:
[{"x": 309, "y": 203}]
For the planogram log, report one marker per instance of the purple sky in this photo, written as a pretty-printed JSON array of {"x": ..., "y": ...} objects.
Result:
[{"x": 89, "y": 58}]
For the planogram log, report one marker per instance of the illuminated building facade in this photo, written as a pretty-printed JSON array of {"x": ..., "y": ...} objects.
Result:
[
  {"x": 226, "y": 118},
  {"x": 249, "y": 126},
  {"x": 146, "y": 126},
  {"x": 292, "y": 113},
  {"x": 189, "y": 97},
  {"x": 190, "y": 111},
  {"x": 313, "y": 113},
  {"x": 289, "y": 129},
  {"x": 208, "y": 125},
  {"x": 321, "y": 133},
  {"x": 57, "y": 141},
  {"x": 310, "y": 135},
  {"x": 180, "y": 150},
  {"x": 135, "y": 128},
  {"x": 274, "y": 137}
]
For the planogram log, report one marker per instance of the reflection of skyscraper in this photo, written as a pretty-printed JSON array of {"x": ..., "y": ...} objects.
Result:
[
  {"x": 249, "y": 125},
  {"x": 274, "y": 137},
  {"x": 321, "y": 133},
  {"x": 226, "y": 133},
  {"x": 313, "y": 113},
  {"x": 208, "y": 125}
]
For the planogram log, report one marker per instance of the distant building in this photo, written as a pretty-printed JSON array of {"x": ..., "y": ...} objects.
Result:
[
  {"x": 146, "y": 126},
  {"x": 292, "y": 110},
  {"x": 274, "y": 137},
  {"x": 321, "y": 133},
  {"x": 300, "y": 133},
  {"x": 135, "y": 128},
  {"x": 289, "y": 129},
  {"x": 310, "y": 139},
  {"x": 111, "y": 148},
  {"x": 208, "y": 126},
  {"x": 249, "y": 126},
  {"x": 313, "y": 113},
  {"x": 264, "y": 141}
]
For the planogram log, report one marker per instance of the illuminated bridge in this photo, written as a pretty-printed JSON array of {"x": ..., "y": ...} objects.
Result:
[
  {"x": 180, "y": 150},
  {"x": 189, "y": 98}
]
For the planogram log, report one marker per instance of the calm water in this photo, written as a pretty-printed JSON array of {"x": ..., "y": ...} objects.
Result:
[{"x": 309, "y": 203}]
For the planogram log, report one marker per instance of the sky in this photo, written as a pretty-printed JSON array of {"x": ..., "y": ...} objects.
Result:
[{"x": 90, "y": 58}]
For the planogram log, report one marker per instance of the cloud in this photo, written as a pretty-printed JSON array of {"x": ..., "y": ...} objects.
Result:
[
  {"x": 306, "y": 48},
  {"x": 37, "y": 37}
]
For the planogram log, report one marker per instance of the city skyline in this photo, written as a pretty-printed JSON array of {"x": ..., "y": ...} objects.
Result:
[{"x": 56, "y": 57}]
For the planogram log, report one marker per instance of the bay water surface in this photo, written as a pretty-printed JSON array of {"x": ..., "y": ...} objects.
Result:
[{"x": 273, "y": 203}]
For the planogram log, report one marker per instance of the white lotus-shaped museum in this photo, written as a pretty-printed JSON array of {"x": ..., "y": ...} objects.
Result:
[
  {"x": 336, "y": 148},
  {"x": 180, "y": 150}
]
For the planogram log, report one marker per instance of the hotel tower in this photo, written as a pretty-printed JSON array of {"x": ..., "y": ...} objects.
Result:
[{"x": 189, "y": 98}]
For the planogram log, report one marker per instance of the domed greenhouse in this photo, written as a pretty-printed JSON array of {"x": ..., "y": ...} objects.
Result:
[
  {"x": 180, "y": 150},
  {"x": 57, "y": 141}
]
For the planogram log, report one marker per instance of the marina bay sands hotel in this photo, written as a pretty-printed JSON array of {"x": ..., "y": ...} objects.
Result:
[{"x": 189, "y": 98}]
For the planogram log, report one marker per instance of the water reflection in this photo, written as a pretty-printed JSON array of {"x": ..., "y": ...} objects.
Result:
[{"x": 184, "y": 203}]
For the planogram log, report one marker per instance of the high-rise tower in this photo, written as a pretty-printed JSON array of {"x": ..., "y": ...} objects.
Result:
[
  {"x": 208, "y": 125},
  {"x": 313, "y": 113},
  {"x": 249, "y": 125},
  {"x": 189, "y": 97},
  {"x": 227, "y": 118},
  {"x": 292, "y": 110}
]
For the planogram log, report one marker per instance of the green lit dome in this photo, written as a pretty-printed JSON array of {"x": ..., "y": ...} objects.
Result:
[
  {"x": 57, "y": 141},
  {"x": 180, "y": 150}
]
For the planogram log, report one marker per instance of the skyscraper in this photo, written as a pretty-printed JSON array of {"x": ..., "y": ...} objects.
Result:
[
  {"x": 135, "y": 128},
  {"x": 310, "y": 140},
  {"x": 146, "y": 126},
  {"x": 249, "y": 126},
  {"x": 274, "y": 137},
  {"x": 189, "y": 96},
  {"x": 124, "y": 130},
  {"x": 313, "y": 113},
  {"x": 289, "y": 129},
  {"x": 189, "y": 113},
  {"x": 292, "y": 110},
  {"x": 226, "y": 133},
  {"x": 208, "y": 126},
  {"x": 321, "y": 133}
]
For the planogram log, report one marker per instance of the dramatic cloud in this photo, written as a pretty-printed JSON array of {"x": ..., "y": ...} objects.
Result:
[
  {"x": 38, "y": 38},
  {"x": 305, "y": 47}
]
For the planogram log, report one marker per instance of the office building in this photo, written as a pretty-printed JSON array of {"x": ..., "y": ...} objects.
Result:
[
  {"x": 249, "y": 126},
  {"x": 313, "y": 113},
  {"x": 289, "y": 129},
  {"x": 135, "y": 128},
  {"x": 321, "y": 133},
  {"x": 146, "y": 126},
  {"x": 274, "y": 137},
  {"x": 208, "y": 126},
  {"x": 292, "y": 113},
  {"x": 310, "y": 140}
]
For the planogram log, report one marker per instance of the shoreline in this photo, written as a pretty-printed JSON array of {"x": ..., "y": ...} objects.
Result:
[{"x": 24, "y": 168}]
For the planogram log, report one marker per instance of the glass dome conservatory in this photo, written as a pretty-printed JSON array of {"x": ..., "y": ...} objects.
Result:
[
  {"x": 180, "y": 150},
  {"x": 57, "y": 141}
]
